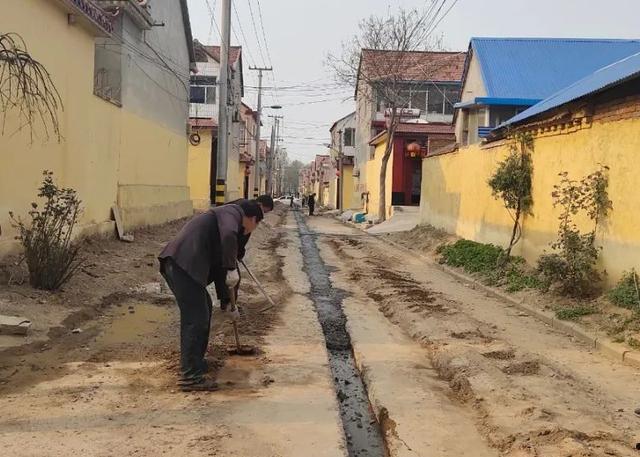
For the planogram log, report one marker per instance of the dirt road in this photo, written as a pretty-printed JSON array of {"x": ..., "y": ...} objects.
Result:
[{"x": 371, "y": 352}]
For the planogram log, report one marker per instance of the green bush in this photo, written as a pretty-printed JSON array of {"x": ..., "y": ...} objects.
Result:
[
  {"x": 473, "y": 257},
  {"x": 575, "y": 313},
  {"x": 626, "y": 294},
  {"x": 47, "y": 238}
]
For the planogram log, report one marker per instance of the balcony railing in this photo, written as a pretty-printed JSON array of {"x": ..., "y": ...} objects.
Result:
[{"x": 484, "y": 132}]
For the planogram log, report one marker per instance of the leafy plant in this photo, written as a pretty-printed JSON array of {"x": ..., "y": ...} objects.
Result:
[
  {"x": 511, "y": 182},
  {"x": 51, "y": 256},
  {"x": 575, "y": 313},
  {"x": 572, "y": 265},
  {"x": 473, "y": 257},
  {"x": 626, "y": 293}
]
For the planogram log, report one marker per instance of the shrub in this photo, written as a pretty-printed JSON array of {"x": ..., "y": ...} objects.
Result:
[
  {"x": 572, "y": 265},
  {"x": 626, "y": 294},
  {"x": 511, "y": 183},
  {"x": 51, "y": 256}
]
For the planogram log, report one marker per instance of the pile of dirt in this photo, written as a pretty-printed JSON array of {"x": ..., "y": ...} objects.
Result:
[{"x": 424, "y": 238}]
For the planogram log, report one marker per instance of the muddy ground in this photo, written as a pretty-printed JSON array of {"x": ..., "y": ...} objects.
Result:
[
  {"x": 531, "y": 391},
  {"x": 447, "y": 370}
]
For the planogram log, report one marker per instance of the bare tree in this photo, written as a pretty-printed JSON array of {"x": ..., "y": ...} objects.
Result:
[
  {"x": 26, "y": 87},
  {"x": 376, "y": 59}
]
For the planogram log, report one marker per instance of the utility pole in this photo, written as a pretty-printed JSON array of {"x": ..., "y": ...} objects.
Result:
[
  {"x": 272, "y": 149},
  {"x": 223, "y": 119},
  {"x": 256, "y": 185},
  {"x": 340, "y": 169}
]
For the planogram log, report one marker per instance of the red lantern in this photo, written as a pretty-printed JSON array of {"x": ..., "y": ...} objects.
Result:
[{"x": 413, "y": 149}]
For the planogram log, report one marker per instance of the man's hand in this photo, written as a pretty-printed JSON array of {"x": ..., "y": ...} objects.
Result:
[
  {"x": 234, "y": 314},
  {"x": 233, "y": 278}
]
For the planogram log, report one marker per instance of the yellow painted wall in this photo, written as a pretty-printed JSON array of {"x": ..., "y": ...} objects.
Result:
[
  {"x": 199, "y": 171},
  {"x": 107, "y": 154},
  {"x": 456, "y": 197},
  {"x": 373, "y": 181},
  {"x": 347, "y": 187}
]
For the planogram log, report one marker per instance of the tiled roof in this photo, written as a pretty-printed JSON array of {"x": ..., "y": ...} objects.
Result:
[
  {"x": 234, "y": 53},
  {"x": 535, "y": 68},
  {"x": 412, "y": 66},
  {"x": 440, "y": 129},
  {"x": 602, "y": 79},
  {"x": 419, "y": 129}
]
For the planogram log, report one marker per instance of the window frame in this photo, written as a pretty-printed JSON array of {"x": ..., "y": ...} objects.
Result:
[{"x": 209, "y": 84}]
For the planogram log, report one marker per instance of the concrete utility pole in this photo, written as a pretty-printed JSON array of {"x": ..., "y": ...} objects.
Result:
[
  {"x": 340, "y": 169},
  {"x": 223, "y": 119},
  {"x": 272, "y": 151},
  {"x": 256, "y": 181}
]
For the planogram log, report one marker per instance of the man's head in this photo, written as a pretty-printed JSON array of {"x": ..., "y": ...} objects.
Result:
[
  {"x": 266, "y": 203},
  {"x": 252, "y": 215}
]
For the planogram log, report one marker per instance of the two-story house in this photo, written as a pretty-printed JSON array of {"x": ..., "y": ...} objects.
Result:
[
  {"x": 124, "y": 84},
  {"x": 505, "y": 76},
  {"x": 342, "y": 148},
  {"x": 203, "y": 114},
  {"x": 427, "y": 85}
]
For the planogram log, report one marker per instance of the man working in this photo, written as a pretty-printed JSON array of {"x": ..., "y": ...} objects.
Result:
[
  {"x": 266, "y": 205},
  {"x": 205, "y": 251}
]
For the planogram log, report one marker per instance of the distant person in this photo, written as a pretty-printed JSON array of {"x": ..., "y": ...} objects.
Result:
[
  {"x": 206, "y": 250},
  {"x": 312, "y": 203},
  {"x": 304, "y": 201},
  {"x": 291, "y": 199}
]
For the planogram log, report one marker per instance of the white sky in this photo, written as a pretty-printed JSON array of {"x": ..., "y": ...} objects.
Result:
[{"x": 300, "y": 34}]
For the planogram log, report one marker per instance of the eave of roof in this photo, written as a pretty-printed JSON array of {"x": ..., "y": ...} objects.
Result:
[
  {"x": 599, "y": 81},
  {"x": 496, "y": 101},
  {"x": 189, "y": 35}
]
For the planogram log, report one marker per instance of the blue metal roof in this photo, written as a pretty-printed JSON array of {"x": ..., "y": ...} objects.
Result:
[
  {"x": 598, "y": 81},
  {"x": 535, "y": 68},
  {"x": 492, "y": 101}
]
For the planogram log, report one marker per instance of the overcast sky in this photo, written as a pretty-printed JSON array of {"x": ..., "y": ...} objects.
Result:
[{"x": 300, "y": 34}]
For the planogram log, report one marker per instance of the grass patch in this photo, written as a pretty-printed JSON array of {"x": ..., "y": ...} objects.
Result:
[
  {"x": 574, "y": 313},
  {"x": 633, "y": 342},
  {"x": 488, "y": 261},
  {"x": 626, "y": 293},
  {"x": 518, "y": 280},
  {"x": 471, "y": 256}
]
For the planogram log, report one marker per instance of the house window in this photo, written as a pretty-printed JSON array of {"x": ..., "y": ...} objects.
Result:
[
  {"x": 419, "y": 99},
  {"x": 435, "y": 103},
  {"x": 203, "y": 90},
  {"x": 107, "y": 76},
  {"x": 349, "y": 137},
  {"x": 452, "y": 96}
]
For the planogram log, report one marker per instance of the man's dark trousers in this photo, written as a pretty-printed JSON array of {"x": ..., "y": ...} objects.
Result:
[{"x": 195, "y": 319}]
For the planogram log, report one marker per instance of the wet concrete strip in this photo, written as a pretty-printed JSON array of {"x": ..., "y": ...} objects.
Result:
[{"x": 363, "y": 433}]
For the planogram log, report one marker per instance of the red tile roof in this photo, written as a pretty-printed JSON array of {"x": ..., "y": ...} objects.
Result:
[
  {"x": 441, "y": 129},
  {"x": 412, "y": 66},
  {"x": 234, "y": 53}
]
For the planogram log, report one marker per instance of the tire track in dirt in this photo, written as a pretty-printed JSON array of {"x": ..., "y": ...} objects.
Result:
[{"x": 524, "y": 404}]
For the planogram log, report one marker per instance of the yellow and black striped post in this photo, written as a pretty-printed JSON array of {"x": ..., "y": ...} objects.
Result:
[{"x": 219, "y": 192}]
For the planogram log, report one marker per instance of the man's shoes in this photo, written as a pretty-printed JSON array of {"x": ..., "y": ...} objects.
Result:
[{"x": 203, "y": 385}]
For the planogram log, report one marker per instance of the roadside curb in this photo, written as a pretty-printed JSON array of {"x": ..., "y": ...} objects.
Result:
[{"x": 615, "y": 351}]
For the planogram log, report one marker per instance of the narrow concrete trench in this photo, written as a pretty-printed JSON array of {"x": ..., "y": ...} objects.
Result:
[{"x": 362, "y": 431}]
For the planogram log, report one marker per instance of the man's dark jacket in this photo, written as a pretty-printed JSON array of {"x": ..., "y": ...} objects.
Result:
[{"x": 207, "y": 246}]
